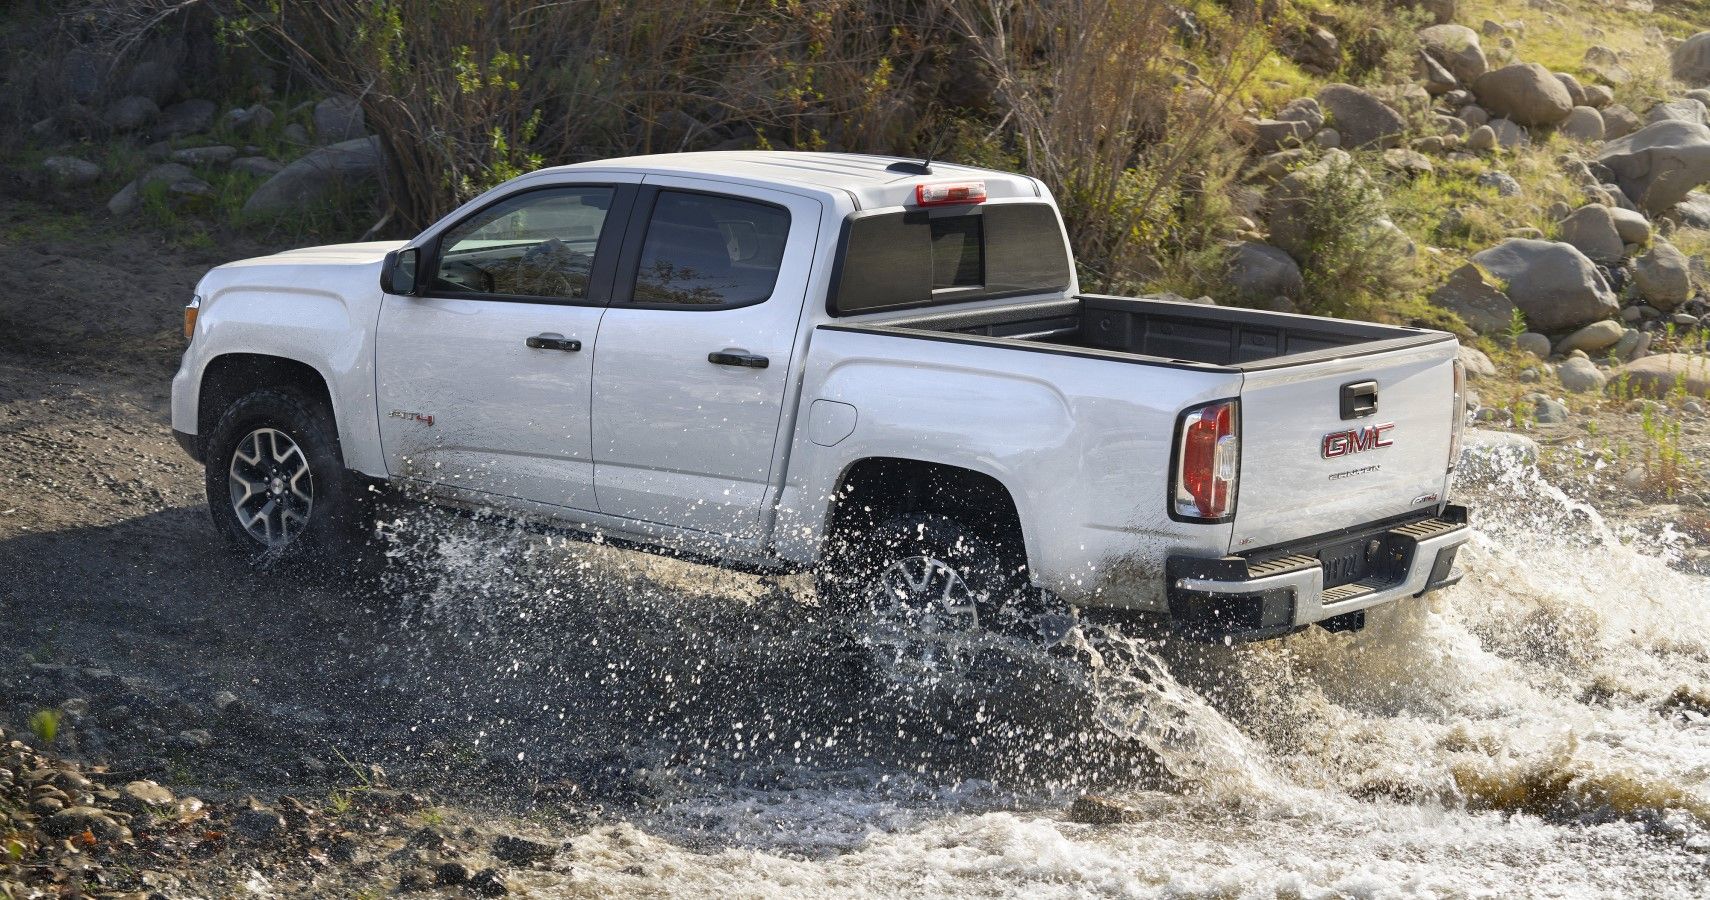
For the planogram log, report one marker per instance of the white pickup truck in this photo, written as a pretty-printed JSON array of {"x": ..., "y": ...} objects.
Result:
[{"x": 875, "y": 368}]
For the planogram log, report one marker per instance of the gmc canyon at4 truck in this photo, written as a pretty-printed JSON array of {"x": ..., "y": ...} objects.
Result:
[{"x": 877, "y": 368}]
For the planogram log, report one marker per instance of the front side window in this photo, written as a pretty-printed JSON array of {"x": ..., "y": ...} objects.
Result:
[
  {"x": 704, "y": 250},
  {"x": 536, "y": 244}
]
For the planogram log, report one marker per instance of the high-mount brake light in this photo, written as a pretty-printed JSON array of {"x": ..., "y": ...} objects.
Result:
[
  {"x": 950, "y": 193},
  {"x": 1208, "y": 461}
]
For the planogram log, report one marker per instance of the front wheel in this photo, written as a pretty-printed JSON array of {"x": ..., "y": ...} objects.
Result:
[{"x": 276, "y": 482}]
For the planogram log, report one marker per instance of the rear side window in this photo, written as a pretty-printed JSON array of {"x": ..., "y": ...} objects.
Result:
[
  {"x": 915, "y": 258},
  {"x": 704, "y": 250}
]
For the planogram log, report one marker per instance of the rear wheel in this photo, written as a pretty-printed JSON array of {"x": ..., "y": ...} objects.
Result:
[{"x": 276, "y": 482}]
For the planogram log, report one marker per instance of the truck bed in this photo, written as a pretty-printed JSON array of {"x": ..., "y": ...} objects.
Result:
[{"x": 1161, "y": 331}]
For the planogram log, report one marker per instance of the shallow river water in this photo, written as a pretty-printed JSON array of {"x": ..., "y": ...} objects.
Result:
[{"x": 1539, "y": 730}]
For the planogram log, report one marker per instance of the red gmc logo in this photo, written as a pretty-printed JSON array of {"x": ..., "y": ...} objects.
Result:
[{"x": 1359, "y": 440}]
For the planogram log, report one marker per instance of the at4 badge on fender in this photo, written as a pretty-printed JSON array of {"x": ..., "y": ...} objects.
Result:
[{"x": 1355, "y": 440}]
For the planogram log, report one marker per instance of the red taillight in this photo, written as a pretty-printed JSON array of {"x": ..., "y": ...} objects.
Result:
[
  {"x": 949, "y": 193},
  {"x": 1208, "y": 461}
]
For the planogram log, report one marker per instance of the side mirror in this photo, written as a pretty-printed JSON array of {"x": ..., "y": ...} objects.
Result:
[{"x": 398, "y": 272}]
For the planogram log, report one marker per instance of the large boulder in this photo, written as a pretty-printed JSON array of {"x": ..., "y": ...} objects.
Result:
[
  {"x": 316, "y": 178},
  {"x": 1619, "y": 121},
  {"x": 1691, "y": 60},
  {"x": 1259, "y": 273},
  {"x": 1632, "y": 226},
  {"x": 1693, "y": 211},
  {"x": 1270, "y": 135},
  {"x": 1553, "y": 284},
  {"x": 1658, "y": 375},
  {"x": 69, "y": 171},
  {"x": 1457, "y": 48},
  {"x": 338, "y": 118},
  {"x": 188, "y": 117},
  {"x": 1525, "y": 92},
  {"x": 1362, "y": 119},
  {"x": 1591, "y": 230},
  {"x": 1658, "y": 164},
  {"x": 1663, "y": 276},
  {"x": 1466, "y": 294},
  {"x": 130, "y": 113},
  {"x": 1685, "y": 109}
]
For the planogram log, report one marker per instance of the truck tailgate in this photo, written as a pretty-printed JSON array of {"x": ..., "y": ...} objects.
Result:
[{"x": 1309, "y": 467}]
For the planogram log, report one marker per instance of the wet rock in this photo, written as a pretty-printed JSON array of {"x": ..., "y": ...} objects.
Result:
[
  {"x": 76, "y": 820},
  {"x": 1591, "y": 230},
  {"x": 195, "y": 738},
  {"x": 489, "y": 883},
  {"x": 1477, "y": 365},
  {"x": 143, "y": 796},
  {"x": 1527, "y": 93},
  {"x": 1466, "y": 294},
  {"x": 1553, "y": 284},
  {"x": 1657, "y": 375},
  {"x": 1583, "y": 124},
  {"x": 451, "y": 874},
  {"x": 69, "y": 171},
  {"x": 1258, "y": 272},
  {"x": 415, "y": 879},
  {"x": 1690, "y": 62},
  {"x": 316, "y": 178},
  {"x": 1360, "y": 117},
  {"x": 259, "y": 824},
  {"x": 1659, "y": 164},
  {"x": 522, "y": 851},
  {"x": 1663, "y": 276},
  {"x": 1091, "y": 809},
  {"x": 226, "y": 701},
  {"x": 338, "y": 119},
  {"x": 130, "y": 113},
  {"x": 205, "y": 156},
  {"x": 1581, "y": 376},
  {"x": 1534, "y": 343}
]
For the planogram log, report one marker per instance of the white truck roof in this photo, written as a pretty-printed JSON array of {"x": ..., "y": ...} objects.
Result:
[{"x": 869, "y": 180}]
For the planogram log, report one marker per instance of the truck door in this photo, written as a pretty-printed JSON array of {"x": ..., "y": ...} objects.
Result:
[
  {"x": 482, "y": 381},
  {"x": 694, "y": 353}
]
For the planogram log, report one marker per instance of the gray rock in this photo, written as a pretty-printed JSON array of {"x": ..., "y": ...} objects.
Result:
[
  {"x": 69, "y": 171},
  {"x": 1474, "y": 115},
  {"x": 1553, "y": 284},
  {"x": 205, "y": 156},
  {"x": 489, "y": 883},
  {"x": 1484, "y": 308},
  {"x": 1657, "y": 376},
  {"x": 1627, "y": 348},
  {"x": 257, "y": 165},
  {"x": 1273, "y": 134},
  {"x": 195, "y": 738},
  {"x": 1496, "y": 450},
  {"x": 1534, "y": 343},
  {"x": 1360, "y": 117},
  {"x": 1477, "y": 365},
  {"x": 179, "y": 182},
  {"x": 1327, "y": 139},
  {"x": 1274, "y": 166},
  {"x": 1547, "y": 410},
  {"x": 1451, "y": 125},
  {"x": 130, "y": 113},
  {"x": 1693, "y": 211},
  {"x": 1592, "y": 338},
  {"x": 316, "y": 178},
  {"x": 1527, "y": 93},
  {"x": 1411, "y": 163},
  {"x": 1690, "y": 61},
  {"x": 75, "y": 820},
  {"x": 1685, "y": 109},
  {"x": 1598, "y": 96},
  {"x": 155, "y": 78},
  {"x": 1457, "y": 48},
  {"x": 1302, "y": 109},
  {"x": 1591, "y": 230},
  {"x": 522, "y": 851},
  {"x": 1482, "y": 138},
  {"x": 1619, "y": 121},
  {"x": 1509, "y": 135},
  {"x": 295, "y": 133},
  {"x": 1583, "y": 124},
  {"x": 81, "y": 73},
  {"x": 1576, "y": 91},
  {"x": 1663, "y": 277},
  {"x": 1631, "y": 225},
  {"x": 1659, "y": 164},
  {"x": 1259, "y": 272},
  {"x": 259, "y": 825},
  {"x": 1431, "y": 73},
  {"x": 338, "y": 119},
  {"x": 143, "y": 796},
  {"x": 188, "y": 117},
  {"x": 1581, "y": 376},
  {"x": 1503, "y": 182}
]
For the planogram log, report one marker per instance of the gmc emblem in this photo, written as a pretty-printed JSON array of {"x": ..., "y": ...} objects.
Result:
[{"x": 1358, "y": 440}]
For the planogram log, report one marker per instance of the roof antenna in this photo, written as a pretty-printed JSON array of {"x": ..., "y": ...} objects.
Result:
[{"x": 924, "y": 167}]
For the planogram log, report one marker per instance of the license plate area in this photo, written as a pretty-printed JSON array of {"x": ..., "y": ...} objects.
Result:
[{"x": 1347, "y": 563}]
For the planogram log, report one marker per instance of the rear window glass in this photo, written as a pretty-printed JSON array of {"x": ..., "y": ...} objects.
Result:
[
  {"x": 915, "y": 258},
  {"x": 707, "y": 250}
]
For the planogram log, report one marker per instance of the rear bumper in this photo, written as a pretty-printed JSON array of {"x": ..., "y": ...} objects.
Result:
[{"x": 1260, "y": 595}]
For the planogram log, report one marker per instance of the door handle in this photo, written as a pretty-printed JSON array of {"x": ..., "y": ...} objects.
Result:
[
  {"x": 738, "y": 358},
  {"x": 553, "y": 341}
]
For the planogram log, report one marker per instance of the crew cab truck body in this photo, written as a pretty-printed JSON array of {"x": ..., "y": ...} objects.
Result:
[{"x": 756, "y": 359}]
